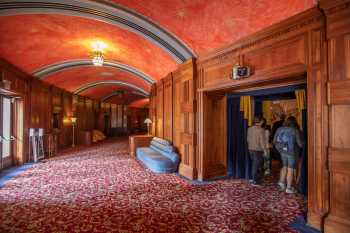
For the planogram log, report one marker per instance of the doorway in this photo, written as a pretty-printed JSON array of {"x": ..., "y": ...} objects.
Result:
[
  {"x": 270, "y": 104},
  {"x": 6, "y": 132}
]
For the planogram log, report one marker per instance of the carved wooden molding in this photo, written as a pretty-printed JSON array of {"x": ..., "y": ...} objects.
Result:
[
  {"x": 332, "y": 6},
  {"x": 273, "y": 32}
]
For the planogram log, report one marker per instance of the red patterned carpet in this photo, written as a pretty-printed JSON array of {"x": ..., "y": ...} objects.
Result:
[{"x": 103, "y": 189}]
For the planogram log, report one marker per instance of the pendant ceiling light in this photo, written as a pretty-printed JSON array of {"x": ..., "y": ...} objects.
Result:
[
  {"x": 98, "y": 48},
  {"x": 97, "y": 58}
]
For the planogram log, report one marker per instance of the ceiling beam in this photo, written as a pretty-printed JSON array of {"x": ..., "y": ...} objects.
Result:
[
  {"x": 109, "y": 83},
  {"x": 44, "y": 72},
  {"x": 106, "y": 12}
]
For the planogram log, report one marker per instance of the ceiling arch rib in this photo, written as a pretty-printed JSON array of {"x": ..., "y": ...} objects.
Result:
[
  {"x": 118, "y": 83},
  {"x": 116, "y": 93},
  {"x": 105, "y": 12},
  {"x": 45, "y": 71}
]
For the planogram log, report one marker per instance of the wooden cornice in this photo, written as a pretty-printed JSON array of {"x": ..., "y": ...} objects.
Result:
[
  {"x": 302, "y": 20},
  {"x": 332, "y": 6}
]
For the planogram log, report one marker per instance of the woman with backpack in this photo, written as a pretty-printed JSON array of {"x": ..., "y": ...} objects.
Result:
[{"x": 288, "y": 143}]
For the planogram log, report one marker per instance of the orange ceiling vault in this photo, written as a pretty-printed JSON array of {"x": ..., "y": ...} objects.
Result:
[{"x": 145, "y": 40}]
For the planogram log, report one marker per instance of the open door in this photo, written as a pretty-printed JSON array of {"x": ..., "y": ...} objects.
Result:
[{"x": 6, "y": 132}]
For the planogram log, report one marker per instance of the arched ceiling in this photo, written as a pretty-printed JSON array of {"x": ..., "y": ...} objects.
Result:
[
  {"x": 141, "y": 103},
  {"x": 72, "y": 79},
  {"x": 52, "y": 38},
  {"x": 42, "y": 40},
  {"x": 127, "y": 98},
  {"x": 206, "y": 25}
]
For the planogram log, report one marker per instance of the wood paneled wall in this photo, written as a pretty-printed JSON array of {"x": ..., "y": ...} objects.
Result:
[
  {"x": 160, "y": 109},
  {"x": 184, "y": 82},
  {"x": 173, "y": 106},
  {"x": 338, "y": 164},
  {"x": 279, "y": 55},
  {"x": 136, "y": 118},
  {"x": 168, "y": 107},
  {"x": 313, "y": 48},
  {"x": 41, "y": 100},
  {"x": 153, "y": 108}
]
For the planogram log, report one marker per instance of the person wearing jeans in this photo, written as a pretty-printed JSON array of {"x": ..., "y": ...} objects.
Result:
[{"x": 256, "y": 147}]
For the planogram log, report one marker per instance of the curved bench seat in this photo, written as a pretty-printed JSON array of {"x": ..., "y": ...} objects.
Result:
[{"x": 159, "y": 156}]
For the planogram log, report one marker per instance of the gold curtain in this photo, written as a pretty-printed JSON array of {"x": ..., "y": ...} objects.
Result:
[
  {"x": 267, "y": 112},
  {"x": 247, "y": 108},
  {"x": 301, "y": 104}
]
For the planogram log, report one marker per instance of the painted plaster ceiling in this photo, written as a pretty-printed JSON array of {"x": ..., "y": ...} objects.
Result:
[
  {"x": 148, "y": 37},
  {"x": 85, "y": 75},
  {"x": 206, "y": 25},
  {"x": 141, "y": 103}
]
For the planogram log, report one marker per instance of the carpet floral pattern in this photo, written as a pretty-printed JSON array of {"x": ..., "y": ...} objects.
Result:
[{"x": 102, "y": 189}]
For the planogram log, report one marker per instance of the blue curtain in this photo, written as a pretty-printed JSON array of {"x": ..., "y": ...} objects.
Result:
[{"x": 238, "y": 161}]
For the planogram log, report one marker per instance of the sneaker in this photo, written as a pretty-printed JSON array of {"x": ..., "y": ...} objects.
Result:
[
  {"x": 254, "y": 183},
  {"x": 282, "y": 186},
  {"x": 291, "y": 190},
  {"x": 251, "y": 181}
]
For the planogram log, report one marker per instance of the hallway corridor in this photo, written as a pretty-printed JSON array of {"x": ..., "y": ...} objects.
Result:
[{"x": 102, "y": 189}]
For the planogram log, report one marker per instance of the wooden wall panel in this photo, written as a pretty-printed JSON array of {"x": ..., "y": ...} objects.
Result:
[
  {"x": 153, "y": 109},
  {"x": 338, "y": 35},
  {"x": 160, "y": 109},
  {"x": 136, "y": 118},
  {"x": 65, "y": 132},
  {"x": 214, "y": 164},
  {"x": 89, "y": 115},
  {"x": 168, "y": 107},
  {"x": 184, "y": 113},
  {"x": 39, "y": 100},
  {"x": 40, "y": 103},
  {"x": 278, "y": 56}
]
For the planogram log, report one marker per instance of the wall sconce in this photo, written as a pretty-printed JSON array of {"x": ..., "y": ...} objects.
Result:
[
  {"x": 66, "y": 120},
  {"x": 73, "y": 120}
]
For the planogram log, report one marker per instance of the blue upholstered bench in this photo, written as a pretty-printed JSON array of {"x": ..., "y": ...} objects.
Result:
[{"x": 159, "y": 157}]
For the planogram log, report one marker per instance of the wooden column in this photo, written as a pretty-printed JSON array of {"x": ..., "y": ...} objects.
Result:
[
  {"x": 168, "y": 107},
  {"x": 153, "y": 109},
  {"x": 160, "y": 109}
]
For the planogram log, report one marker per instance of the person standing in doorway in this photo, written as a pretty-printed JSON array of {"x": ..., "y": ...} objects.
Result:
[
  {"x": 276, "y": 125},
  {"x": 256, "y": 147},
  {"x": 288, "y": 143}
]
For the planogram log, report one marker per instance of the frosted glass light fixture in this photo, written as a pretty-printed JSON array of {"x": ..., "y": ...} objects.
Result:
[
  {"x": 98, "y": 48},
  {"x": 97, "y": 58}
]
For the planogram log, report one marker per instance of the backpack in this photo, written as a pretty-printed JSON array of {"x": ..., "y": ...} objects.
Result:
[{"x": 285, "y": 140}]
